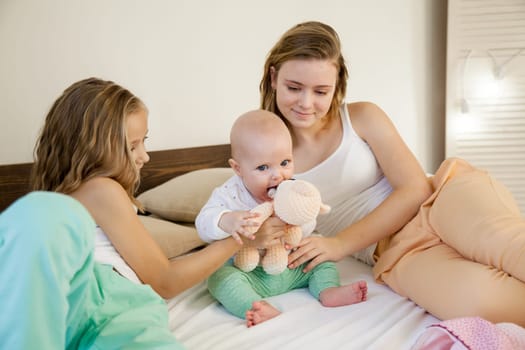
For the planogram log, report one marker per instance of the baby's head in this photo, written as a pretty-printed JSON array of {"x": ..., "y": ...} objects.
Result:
[{"x": 261, "y": 152}]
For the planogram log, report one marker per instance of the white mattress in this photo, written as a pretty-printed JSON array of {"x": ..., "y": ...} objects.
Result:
[{"x": 385, "y": 321}]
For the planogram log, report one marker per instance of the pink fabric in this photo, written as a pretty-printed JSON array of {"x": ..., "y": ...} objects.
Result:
[{"x": 472, "y": 333}]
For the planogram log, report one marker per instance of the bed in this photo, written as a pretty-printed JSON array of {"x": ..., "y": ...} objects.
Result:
[{"x": 385, "y": 321}]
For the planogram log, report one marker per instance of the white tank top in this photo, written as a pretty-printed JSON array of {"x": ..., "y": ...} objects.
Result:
[
  {"x": 105, "y": 253},
  {"x": 351, "y": 182}
]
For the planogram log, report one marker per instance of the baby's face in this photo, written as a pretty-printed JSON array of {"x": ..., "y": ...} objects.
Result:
[{"x": 265, "y": 164}]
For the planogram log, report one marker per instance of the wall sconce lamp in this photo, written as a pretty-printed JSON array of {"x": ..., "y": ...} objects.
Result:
[
  {"x": 463, "y": 102},
  {"x": 498, "y": 69}
]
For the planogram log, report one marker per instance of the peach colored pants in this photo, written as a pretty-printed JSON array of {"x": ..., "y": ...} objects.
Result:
[{"x": 463, "y": 254}]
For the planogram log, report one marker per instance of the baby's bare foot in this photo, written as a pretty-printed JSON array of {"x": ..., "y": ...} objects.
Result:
[
  {"x": 261, "y": 311},
  {"x": 344, "y": 295}
]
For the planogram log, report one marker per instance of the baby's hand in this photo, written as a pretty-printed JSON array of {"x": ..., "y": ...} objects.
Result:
[{"x": 240, "y": 223}]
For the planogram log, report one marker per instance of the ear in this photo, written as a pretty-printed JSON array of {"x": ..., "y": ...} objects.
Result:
[
  {"x": 235, "y": 166},
  {"x": 325, "y": 209},
  {"x": 273, "y": 77}
]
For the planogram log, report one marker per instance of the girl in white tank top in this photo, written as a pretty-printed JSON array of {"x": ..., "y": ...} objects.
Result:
[{"x": 352, "y": 196}]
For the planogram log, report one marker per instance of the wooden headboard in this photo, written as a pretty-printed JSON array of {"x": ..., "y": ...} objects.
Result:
[{"x": 163, "y": 165}]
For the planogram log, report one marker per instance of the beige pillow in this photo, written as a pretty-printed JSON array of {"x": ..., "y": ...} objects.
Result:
[
  {"x": 174, "y": 239},
  {"x": 181, "y": 198}
]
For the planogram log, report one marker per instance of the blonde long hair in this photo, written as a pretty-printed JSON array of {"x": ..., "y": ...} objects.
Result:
[
  {"x": 307, "y": 40},
  {"x": 84, "y": 136}
]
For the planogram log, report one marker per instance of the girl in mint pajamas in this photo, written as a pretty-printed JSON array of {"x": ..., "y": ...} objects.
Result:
[
  {"x": 55, "y": 296},
  {"x": 78, "y": 270}
]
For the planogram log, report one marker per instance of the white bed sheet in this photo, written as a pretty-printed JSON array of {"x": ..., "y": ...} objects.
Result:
[{"x": 385, "y": 321}]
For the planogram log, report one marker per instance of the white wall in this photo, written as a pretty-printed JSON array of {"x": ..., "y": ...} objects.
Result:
[{"x": 197, "y": 63}]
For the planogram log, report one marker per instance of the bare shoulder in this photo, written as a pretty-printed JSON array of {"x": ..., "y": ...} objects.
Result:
[
  {"x": 367, "y": 117},
  {"x": 102, "y": 195},
  {"x": 99, "y": 187},
  {"x": 364, "y": 109}
]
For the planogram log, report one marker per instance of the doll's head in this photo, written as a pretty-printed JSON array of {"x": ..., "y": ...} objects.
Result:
[{"x": 298, "y": 202}]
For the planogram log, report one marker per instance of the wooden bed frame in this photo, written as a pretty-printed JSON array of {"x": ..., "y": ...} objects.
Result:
[{"x": 163, "y": 165}]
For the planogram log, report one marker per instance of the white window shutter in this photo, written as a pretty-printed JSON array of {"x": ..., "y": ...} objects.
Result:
[{"x": 486, "y": 88}]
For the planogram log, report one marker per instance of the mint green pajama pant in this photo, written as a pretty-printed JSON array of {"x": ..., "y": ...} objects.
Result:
[
  {"x": 236, "y": 290},
  {"x": 54, "y": 296}
]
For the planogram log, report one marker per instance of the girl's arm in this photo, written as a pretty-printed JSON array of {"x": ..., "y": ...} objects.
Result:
[
  {"x": 405, "y": 175},
  {"x": 112, "y": 210}
]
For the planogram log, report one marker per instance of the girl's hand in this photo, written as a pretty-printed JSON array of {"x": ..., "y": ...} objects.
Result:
[
  {"x": 270, "y": 231},
  {"x": 316, "y": 250},
  {"x": 240, "y": 223}
]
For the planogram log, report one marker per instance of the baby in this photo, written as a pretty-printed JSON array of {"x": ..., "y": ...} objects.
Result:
[{"x": 261, "y": 159}]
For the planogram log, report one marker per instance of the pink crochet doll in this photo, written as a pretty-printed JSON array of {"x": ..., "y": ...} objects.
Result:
[{"x": 296, "y": 202}]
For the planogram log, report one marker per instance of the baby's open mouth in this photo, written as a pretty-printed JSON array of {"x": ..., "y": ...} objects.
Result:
[{"x": 271, "y": 191}]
